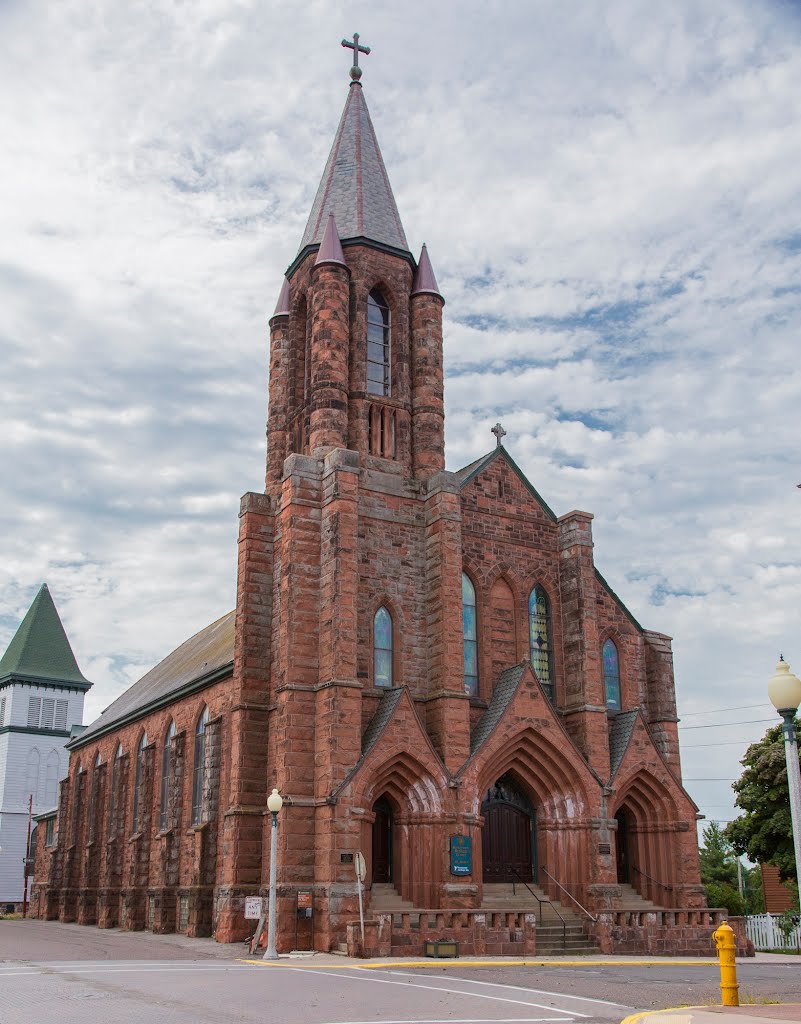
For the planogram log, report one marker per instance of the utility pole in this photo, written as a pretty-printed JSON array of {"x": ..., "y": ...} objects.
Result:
[{"x": 26, "y": 859}]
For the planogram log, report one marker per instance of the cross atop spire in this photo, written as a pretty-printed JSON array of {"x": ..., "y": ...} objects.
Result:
[
  {"x": 500, "y": 434},
  {"x": 355, "y": 71}
]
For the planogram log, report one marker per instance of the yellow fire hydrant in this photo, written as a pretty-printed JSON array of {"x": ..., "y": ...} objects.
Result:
[{"x": 726, "y": 943}]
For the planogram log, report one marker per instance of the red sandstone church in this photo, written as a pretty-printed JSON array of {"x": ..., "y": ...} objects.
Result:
[{"x": 427, "y": 664}]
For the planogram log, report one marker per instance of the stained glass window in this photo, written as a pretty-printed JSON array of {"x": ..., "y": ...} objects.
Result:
[
  {"x": 140, "y": 760},
  {"x": 382, "y": 648},
  {"x": 378, "y": 382},
  {"x": 199, "y": 774},
  {"x": 166, "y": 760},
  {"x": 611, "y": 676},
  {"x": 470, "y": 636},
  {"x": 539, "y": 638}
]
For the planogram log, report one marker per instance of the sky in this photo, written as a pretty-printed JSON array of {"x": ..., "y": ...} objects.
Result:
[{"x": 610, "y": 196}]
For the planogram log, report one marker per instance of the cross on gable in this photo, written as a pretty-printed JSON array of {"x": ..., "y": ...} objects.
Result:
[
  {"x": 355, "y": 71},
  {"x": 499, "y": 433}
]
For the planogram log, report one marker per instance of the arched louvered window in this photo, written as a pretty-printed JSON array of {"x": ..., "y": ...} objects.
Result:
[
  {"x": 382, "y": 648},
  {"x": 113, "y": 799},
  {"x": 378, "y": 348},
  {"x": 32, "y": 776},
  {"x": 199, "y": 773},
  {"x": 611, "y": 675},
  {"x": 166, "y": 767},
  {"x": 51, "y": 779},
  {"x": 137, "y": 794},
  {"x": 469, "y": 628},
  {"x": 539, "y": 638}
]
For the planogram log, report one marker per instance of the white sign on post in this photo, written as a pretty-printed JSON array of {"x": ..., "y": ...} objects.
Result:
[
  {"x": 252, "y": 908},
  {"x": 361, "y": 871}
]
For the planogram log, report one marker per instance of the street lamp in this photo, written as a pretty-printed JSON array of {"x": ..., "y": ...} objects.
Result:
[
  {"x": 274, "y": 805},
  {"x": 784, "y": 690}
]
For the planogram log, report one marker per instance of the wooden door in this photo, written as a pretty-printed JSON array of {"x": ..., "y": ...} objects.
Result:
[
  {"x": 507, "y": 843},
  {"x": 622, "y": 849},
  {"x": 382, "y": 841}
]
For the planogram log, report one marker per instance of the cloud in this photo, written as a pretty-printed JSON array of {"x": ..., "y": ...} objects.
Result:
[{"x": 608, "y": 197}]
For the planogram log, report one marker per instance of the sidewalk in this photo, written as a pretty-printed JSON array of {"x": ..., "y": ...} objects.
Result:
[{"x": 753, "y": 1014}]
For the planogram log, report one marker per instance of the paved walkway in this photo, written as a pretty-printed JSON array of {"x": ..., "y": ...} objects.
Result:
[{"x": 757, "y": 1014}]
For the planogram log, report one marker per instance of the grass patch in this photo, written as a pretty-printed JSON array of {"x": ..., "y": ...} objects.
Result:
[{"x": 10, "y": 917}]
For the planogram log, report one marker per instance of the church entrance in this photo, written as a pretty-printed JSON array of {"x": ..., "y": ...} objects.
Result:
[
  {"x": 508, "y": 841},
  {"x": 622, "y": 849},
  {"x": 382, "y": 841}
]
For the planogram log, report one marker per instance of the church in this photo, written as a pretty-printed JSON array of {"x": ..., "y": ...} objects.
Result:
[{"x": 426, "y": 664}]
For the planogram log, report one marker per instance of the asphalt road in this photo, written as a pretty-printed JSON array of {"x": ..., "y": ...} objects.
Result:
[{"x": 73, "y": 974}]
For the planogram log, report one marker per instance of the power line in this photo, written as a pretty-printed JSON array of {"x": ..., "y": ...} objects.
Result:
[
  {"x": 724, "y": 725},
  {"x": 724, "y": 743},
  {"x": 716, "y": 711}
]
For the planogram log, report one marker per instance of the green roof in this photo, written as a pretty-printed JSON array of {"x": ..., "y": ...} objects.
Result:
[{"x": 40, "y": 649}]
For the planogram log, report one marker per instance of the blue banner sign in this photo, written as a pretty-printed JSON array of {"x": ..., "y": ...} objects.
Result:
[{"x": 461, "y": 855}]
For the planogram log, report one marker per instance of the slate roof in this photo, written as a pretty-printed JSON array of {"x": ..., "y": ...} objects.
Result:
[
  {"x": 379, "y": 721},
  {"x": 508, "y": 682},
  {"x": 620, "y": 730},
  {"x": 355, "y": 186},
  {"x": 192, "y": 665},
  {"x": 40, "y": 648}
]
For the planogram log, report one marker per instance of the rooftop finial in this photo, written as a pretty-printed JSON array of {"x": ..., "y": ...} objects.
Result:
[
  {"x": 500, "y": 434},
  {"x": 355, "y": 71}
]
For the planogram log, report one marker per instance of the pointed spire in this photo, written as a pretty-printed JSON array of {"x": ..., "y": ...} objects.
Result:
[
  {"x": 330, "y": 247},
  {"x": 282, "y": 306},
  {"x": 424, "y": 280},
  {"x": 40, "y": 648},
  {"x": 355, "y": 186}
]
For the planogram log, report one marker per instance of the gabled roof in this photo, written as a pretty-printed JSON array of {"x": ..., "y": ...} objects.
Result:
[
  {"x": 471, "y": 471},
  {"x": 508, "y": 682},
  {"x": 620, "y": 731},
  {"x": 199, "y": 661},
  {"x": 355, "y": 186},
  {"x": 379, "y": 721},
  {"x": 40, "y": 649}
]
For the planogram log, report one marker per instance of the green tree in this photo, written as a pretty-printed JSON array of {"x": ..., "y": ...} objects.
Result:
[
  {"x": 719, "y": 871},
  {"x": 764, "y": 831}
]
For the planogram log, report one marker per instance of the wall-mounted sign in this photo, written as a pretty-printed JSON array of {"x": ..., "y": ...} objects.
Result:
[
  {"x": 461, "y": 855},
  {"x": 304, "y": 900},
  {"x": 252, "y": 908}
]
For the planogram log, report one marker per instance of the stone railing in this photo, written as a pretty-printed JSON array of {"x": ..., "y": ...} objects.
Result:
[
  {"x": 478, "y": 932},
  {"x": 681, "y": 931}
]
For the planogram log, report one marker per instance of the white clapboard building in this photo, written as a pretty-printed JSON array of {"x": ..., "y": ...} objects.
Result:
[{"x": 41, "y": 704}]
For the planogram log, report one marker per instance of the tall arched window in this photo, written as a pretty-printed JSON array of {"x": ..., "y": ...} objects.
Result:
[
  {"x": 32, "y": 775},
  {"x": 382, "y": 648},
  {"x": 140, "y": 764},
  {"x": 51, "y": 779},
  {"x": 199, "y": 773},
  {"x": 113, "y": 794},
  {"x": 539, "y": 638},
  {"x": 378, "y": 353},
  {"x": 93, "y": 796},
  {"x": 470, "y": 636},
  {"x": 166, "y": 766},
  {"x": 611, "y": 676}
]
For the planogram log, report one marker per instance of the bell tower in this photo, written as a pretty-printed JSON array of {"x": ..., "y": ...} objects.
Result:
[{"x": 356, "y": 337}]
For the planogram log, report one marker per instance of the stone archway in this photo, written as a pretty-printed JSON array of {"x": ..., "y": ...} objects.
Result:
[{"x": 508, "y": 841}]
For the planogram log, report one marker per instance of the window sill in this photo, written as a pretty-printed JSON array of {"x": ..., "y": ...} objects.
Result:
[
  {"x": 201, "y": 826},
  {"x": 163, "y": 833},
  {"x": 135, "y": 837}
]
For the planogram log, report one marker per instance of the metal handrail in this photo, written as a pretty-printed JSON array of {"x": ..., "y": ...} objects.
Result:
[
  {"x": 541, "y": 901},
  {"x": 570, "y": 895},
  {"x": 664, "y": 885}
]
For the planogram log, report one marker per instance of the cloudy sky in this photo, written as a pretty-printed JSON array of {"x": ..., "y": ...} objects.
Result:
[{"x": 610, "y": 194}]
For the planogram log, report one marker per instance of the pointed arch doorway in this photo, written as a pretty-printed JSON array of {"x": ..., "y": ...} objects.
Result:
[
  {"x": 509, "y": 837},
  {"x": 382, "y": 841},
  {"x": 622, "y": 851}
]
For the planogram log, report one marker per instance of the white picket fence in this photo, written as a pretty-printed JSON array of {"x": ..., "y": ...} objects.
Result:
[{"x": 763, "y": 930}]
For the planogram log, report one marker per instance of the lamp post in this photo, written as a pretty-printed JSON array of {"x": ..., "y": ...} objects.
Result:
[
  {"x": 274, "y": 805},
  {"x": 784, "y": 690}
]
